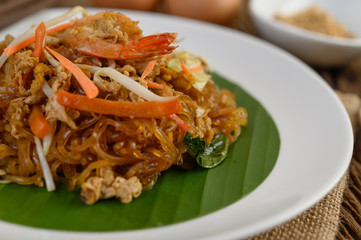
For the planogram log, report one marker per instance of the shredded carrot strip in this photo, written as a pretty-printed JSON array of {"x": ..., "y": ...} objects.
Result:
[
  {"x": 152, "y": 109},
  {"x": 196, "y": 69},
  {"x": 38, "y": 124},
  {"x": 184, "y": 68},
  {"x": 38, "y": 49},
  {"x": 154, "y": 85},
  {"x": 87, "y": 85},
  {"x": 184, "y": 126},
  {"x": 148, "y": 69},
  {"x": 17, "y": 47},
  {"x": 39, "y": 40},
  {"x": 60, "y": 28}
]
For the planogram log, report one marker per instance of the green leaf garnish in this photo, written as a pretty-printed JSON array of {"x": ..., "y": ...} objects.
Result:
[
  {"x": 207, "y": 156},
  {"x": 195, "y": 146}
]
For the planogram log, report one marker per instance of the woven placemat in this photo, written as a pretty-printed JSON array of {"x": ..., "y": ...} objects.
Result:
[{"x": 319, "y": 222}]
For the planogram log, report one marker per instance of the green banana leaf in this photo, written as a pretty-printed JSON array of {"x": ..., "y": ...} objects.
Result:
[{"x": 179, "y": 195}]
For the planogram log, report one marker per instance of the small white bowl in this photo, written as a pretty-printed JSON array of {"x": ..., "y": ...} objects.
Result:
[{"x": 313, "y": 48}]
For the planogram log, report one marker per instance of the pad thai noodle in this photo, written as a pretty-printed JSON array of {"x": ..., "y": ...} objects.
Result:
[{"x": 91, "y": 103}]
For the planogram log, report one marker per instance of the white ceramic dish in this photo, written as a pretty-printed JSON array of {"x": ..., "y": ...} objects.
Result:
[
  {"x": 315, "y": 132},
  {"x": 312, "y": 47}
]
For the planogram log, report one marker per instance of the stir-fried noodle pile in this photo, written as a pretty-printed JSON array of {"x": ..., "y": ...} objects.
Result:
[{"x": 93, "y": 103}]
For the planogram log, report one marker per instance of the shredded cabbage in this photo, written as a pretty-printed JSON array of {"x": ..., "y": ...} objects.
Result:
[{"x": 190, "y": 61}]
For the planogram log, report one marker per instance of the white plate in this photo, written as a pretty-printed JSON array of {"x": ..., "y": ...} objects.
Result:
[{"x": 315, "y": 132}]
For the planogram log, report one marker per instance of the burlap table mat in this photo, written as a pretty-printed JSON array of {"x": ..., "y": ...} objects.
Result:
[
  {"x": 319, "y": 222},
  {"x": 338, "y": 214}
]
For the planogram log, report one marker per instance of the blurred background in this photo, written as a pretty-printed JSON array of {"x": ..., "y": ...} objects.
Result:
[{"x": 217, "y": 11}]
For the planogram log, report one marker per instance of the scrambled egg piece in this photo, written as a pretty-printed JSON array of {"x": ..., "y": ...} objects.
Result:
[{"x": 106, "y": 185}]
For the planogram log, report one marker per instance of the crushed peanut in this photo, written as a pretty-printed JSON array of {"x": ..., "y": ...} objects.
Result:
[{"x": 316, "y": 20}]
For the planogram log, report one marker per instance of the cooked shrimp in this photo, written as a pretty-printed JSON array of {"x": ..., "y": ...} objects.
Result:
[{"x": 115, "y": 36}]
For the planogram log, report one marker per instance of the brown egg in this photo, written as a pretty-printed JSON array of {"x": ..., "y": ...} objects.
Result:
[
  {"x": 145, "y": 5},
  {"x": 216, "y": 11}
]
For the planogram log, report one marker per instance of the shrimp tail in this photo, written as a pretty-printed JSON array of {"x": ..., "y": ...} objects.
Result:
[
  {"x": 86, "y": 37},
  {"x": 148, "y": 46},
  {"x": 145, "y": 47}
]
